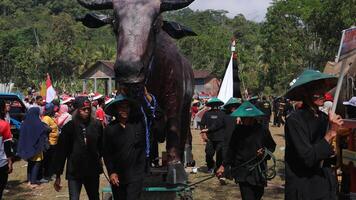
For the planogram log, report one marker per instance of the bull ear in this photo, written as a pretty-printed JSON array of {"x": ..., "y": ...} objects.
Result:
[
  {"x": 93, "y": 20},
  {"x": 96, "y": 4},
  {"x": 176, "y": 30},
  {"x": 167, "y": 5}
]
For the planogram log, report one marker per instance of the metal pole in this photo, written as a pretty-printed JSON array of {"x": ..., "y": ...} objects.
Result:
[{"x": 343, "y": 70}]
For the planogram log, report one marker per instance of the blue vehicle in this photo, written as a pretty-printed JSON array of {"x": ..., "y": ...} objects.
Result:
[{"x": 17, "y": 114}]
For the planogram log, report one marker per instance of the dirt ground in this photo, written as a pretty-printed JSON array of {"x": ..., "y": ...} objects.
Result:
[{"x": 210, "y": 190}]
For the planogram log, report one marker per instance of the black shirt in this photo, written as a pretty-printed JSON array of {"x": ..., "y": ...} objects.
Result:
[
  {"x": 306, "y": 176},
  {"x": 124, "y": 151},
  {"x": 81, "y": 145},
  {"x": 243, "y": 146},
  {"x": 214, "y": 121}
]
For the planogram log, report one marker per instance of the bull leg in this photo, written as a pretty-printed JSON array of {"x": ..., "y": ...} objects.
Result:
[
  {"x": 173, "y": 140},
  {"x": 176, "y": 172}
]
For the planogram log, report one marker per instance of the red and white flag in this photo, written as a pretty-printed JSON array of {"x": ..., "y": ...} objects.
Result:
[{"x": 51, "y": 93}]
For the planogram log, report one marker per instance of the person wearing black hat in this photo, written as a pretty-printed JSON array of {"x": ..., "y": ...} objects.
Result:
[
  {"x": 80, "y": 143},
  {"x": 265, "y": 107},
  {"x": 246, "y": 152},
  {"x": 125, "y": 150},
  {"x": 309, "y": 133},
  {"x": 212, "y": 130}
]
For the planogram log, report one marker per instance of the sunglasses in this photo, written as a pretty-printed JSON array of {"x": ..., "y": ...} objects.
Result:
[{"x": 318, "y": 96}]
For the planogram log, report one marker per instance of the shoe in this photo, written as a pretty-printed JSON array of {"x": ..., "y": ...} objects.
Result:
[
  {"x": 210, "y": 171},
  {"x": 43, "y": 180},
  {"x": 222, "y": 181}
]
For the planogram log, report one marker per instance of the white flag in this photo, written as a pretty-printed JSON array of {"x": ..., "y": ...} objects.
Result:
[{"x": 227, "y": 86}]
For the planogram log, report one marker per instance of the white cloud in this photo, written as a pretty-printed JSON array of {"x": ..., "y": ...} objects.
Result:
[{"x": 252, "y": 9}]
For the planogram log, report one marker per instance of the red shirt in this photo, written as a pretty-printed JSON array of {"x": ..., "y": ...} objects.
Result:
[
  {"x": 100, "y": 114},
  {"x": 5, "y": 135}
]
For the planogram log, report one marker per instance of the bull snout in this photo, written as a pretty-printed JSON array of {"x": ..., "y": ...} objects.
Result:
[{"x": 129, "y": 72}]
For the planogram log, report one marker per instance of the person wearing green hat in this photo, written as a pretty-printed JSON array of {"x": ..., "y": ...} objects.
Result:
[
  {"x": 309, "y": 133},
  {"x": 124, "y": 153},
  {"x": 248, "y": 142},
  {"x": 230, "y": 106},
  {"x": 212, "y": 131}
]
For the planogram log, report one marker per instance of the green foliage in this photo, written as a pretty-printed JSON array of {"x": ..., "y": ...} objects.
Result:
[{"x": 42, "y": 36}]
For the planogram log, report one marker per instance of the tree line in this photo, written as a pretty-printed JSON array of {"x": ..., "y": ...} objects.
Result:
[{"x": 42, "y": 36}]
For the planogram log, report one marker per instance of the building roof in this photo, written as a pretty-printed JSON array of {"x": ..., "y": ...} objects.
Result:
[
  {"x": 101, "y": 69},
  {"x": 201, "y": 74}
]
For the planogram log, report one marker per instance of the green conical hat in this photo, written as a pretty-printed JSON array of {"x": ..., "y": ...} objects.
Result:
[
  {"x": 247, "y": 109},
  {"x": 232, "y": 101},
  {"x": 307, "y": 78},
  {"x": 110, "y": 108},
  {"x": 214, "y": 101}
]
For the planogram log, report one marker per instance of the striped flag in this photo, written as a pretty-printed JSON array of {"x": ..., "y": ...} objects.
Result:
[{"x": 51, "y": 93}]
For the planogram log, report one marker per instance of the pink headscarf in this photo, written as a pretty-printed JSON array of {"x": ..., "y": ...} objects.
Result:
[{"x": 64, "y": 116}]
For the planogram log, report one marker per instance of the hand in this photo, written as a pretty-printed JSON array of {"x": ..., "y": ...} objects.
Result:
[
  {"x": 238, "y": 120},
  {"x": 114, "y": 179},
  {"x": 147, "y": 95},
  {"x": 57, "y": 184},
  {"x": 220, "y": 171},
  {"x": 205, "y": 130},
  {"x": 9, "y": 164},
  {"x": 260, "y": 152},
  {"x": 204, "y": 137},
  {"x": 335, "y": 121}
]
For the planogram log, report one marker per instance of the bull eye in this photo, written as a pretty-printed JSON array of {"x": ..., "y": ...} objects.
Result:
[{"x": 115, "y": 26}]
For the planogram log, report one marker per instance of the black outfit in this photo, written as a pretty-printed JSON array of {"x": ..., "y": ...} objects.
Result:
[
  {"x": 4, "y": 174},
  {"x": 214, "y": 121},
  {"x": 308, "y": 170},
  {"x": 124, "y": 154},
  {"x": 245, "y": 142},
  {"x": 265, "y": 107},
  {"x": 81, "y": 145}
]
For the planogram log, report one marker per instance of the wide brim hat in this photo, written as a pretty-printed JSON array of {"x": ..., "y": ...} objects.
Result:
[
  {"x": 351, "y": 102},
  {"x": 232, "y": 101},
  {"x": 247, "y": 109},
  {"x": 307, "y": 79},
  {"x": 214, "y": 102},
  {"x": 110, "y": 107}
]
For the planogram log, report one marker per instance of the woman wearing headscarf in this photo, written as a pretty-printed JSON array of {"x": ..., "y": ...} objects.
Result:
[
  {"x": 48, "y": 118},
  {"x": 32, "y": 143},
  {"x": 63, "y": 116},
  {"x": 309, "y": 133},
  {"x": 80, "y": 144},
  {"x": 247, "y": 147}
]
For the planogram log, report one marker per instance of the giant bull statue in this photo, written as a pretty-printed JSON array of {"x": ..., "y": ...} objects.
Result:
[{"x": 146, "y": 54}]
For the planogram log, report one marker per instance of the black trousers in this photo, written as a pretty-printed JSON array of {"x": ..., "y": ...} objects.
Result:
[
  {"x": 47, "y": 162},
  {"x": 3, "y": 178},
  {"x": 33, "y": 168},
  {"x": 251, "y": 192},
  {"x": 91, "y": 185},
  {"x": 130, "y": 191},
  {"x": 211, "y": 148}
]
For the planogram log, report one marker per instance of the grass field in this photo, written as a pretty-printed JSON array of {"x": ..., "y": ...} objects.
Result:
[{"x": 210, "y": 190}]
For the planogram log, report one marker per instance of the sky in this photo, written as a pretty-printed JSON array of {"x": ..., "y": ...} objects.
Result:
[{"x": 254, "y": 10}]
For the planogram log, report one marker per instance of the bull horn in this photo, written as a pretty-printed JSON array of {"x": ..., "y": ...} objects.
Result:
[
  {"x": 168, "y": 5},
  {"x": 97, "y": 4}
]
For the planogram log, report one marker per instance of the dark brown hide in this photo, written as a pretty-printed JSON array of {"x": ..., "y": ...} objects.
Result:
[{"x": 171, "y": 82}]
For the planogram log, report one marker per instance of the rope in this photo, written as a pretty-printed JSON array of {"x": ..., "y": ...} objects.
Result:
[
  {"x": 268, "y": 173},
  {"x": 148, "y": 122}
]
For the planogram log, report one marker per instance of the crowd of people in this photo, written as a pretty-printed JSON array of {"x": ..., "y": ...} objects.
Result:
[{"x": 83, "y": 131}]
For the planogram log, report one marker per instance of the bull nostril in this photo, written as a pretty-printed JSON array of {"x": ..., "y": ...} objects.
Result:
[{"x": 129, "y": 72}]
